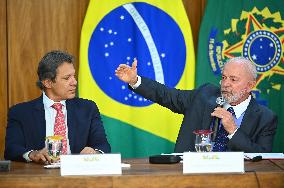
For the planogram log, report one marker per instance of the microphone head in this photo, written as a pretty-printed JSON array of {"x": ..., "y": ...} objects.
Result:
[{"x": 220, "y": 101}]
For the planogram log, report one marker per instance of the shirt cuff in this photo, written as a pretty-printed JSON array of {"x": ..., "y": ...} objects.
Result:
[
  {"x": 99, "y": 151},
  {"x": 138, "y": 83},
  {"x": 230, "y": 136},
  {"x": 26, "y": 156}
]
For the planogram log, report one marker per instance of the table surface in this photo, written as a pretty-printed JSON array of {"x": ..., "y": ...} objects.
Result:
[{"x": 265, "y": 173}]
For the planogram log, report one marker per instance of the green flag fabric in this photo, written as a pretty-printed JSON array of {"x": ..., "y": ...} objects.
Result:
[
  {"x": 158, "y": 34},
  {"x": 253, "y": 29}
]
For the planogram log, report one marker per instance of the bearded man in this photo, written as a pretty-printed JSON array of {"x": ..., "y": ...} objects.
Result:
[{"x": 244, "y": 125}]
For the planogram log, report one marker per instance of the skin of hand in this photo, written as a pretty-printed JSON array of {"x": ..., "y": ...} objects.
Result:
[
  {"x": 126, "y": 73},
  {"x": 40, "y": 156},
  {"x": 227, "y": 119},
  {"x": 89, "y": 150}
]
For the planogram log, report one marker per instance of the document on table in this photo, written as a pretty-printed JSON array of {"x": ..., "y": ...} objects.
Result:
[
  {"x": 57, "y": 165},
  {"x": 264, "y": 155}
]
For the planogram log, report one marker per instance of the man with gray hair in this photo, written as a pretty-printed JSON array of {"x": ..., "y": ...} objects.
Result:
[
  {"x": 242, "y": 124},
  {"x": 56, "y": 112}
]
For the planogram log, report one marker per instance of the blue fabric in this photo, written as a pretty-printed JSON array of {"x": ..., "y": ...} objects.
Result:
[
  {"x": 239, "y": 120},
  {"x": 222, "y": 136},
  {"x": 231, "y": 110}
]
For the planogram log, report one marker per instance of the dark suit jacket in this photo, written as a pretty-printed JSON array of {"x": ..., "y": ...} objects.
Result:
[
  {"x": 26, "y": 129},
  {"x": 255, "y": 134}
]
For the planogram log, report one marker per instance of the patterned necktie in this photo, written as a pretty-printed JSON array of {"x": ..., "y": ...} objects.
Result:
[
  {"x": 59, "y": 125},
  {"x": 221, "y": 138}
]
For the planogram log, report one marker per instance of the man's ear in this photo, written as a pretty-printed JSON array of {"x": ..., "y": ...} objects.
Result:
[
  {"x": 47, "y": 83},
  {"x": 251, "y": 84}
]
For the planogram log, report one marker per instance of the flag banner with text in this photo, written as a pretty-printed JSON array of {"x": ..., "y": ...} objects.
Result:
[
  {"x": 158, "y": 34},
  {"x": 253, "y": 29}
]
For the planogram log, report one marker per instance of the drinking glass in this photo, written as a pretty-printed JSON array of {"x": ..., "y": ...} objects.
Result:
[
  {"x": 203, "y": 141},
  {"x": 54, "y": 147}
]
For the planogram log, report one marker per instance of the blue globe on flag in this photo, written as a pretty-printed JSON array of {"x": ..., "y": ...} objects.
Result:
[{"x": 129, "y": 32}]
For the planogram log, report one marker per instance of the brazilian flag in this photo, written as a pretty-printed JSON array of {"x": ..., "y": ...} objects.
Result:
[
  {"x": 253, "y": 29},
  {"x": 158, "y": 34}
]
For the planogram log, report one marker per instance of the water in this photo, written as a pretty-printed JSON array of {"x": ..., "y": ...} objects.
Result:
[{"x": 204, "y": 147}]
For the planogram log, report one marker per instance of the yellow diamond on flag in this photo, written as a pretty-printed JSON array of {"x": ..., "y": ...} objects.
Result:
[{"x": 158, "y": 34}]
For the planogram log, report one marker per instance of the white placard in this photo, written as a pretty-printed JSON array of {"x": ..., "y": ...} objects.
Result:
[
  {"x": 212, "y": 162},
  {"x": 96, "y": 164}
]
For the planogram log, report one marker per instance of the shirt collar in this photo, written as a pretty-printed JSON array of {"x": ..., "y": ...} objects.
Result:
[
  {"x": 240, "y": 108},
  {"x": 47, "y": 102}
]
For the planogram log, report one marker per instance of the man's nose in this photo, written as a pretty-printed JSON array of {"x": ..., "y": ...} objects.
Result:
[
  {"x": 225, "y": 83},
  {"x": 74, "y": 81}
]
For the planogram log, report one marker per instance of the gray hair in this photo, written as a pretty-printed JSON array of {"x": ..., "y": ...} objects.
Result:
[
  {"x": 249, "y": 65},
  {"x": 48, "y": 65}
]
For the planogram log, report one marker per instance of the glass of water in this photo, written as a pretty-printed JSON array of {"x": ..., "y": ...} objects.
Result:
[
  {"x": 203, "y": 141},
  {"x": 54, "y": 147}
]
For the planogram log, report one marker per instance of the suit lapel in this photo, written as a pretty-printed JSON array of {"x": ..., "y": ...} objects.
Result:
[
  {"x": 39, "y": 121},
  {"x": 71, "y": 124},
  {"x": 207, "y": 118},
  {"x": 251, "y": 112}
]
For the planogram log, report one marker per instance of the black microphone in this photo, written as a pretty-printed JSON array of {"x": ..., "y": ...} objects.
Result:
[{"x": 220, "y": 101}]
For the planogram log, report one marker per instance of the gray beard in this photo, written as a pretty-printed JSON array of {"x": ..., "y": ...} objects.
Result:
[{"x": 235, "y": 97}]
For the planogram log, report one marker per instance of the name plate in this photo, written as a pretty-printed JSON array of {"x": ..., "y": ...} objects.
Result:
[
  {"x": 96, "y": 164},
  {"x": 212, "y": 162}
]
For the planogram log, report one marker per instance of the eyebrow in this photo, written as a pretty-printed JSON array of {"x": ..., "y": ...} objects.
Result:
[
  {"x": 234, "y": 77},
  {"x": 237, "y": 78},
  {"x": 67, "y": 75},
  {"x": 230, "y": 76}
]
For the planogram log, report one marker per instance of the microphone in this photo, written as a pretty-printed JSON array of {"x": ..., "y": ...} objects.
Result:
[{"x": 220, "y": 101}]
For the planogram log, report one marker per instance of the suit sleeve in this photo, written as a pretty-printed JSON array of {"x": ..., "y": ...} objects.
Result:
[
  {"x": 97, "y": 138},
  {"x": 174, "y": 99},
  {"x": 15, "y": 141}
]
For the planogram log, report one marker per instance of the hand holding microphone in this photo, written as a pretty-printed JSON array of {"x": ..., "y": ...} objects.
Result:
[
  {"x": 220, "y": 101},
  {"x": 222, "y": 114}
]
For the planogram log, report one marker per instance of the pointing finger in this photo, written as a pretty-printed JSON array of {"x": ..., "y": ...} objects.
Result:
[{"x": 134, "y": 64}]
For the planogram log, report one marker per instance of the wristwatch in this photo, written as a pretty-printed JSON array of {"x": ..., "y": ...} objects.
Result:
[{"x": 100, "y": 151}]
